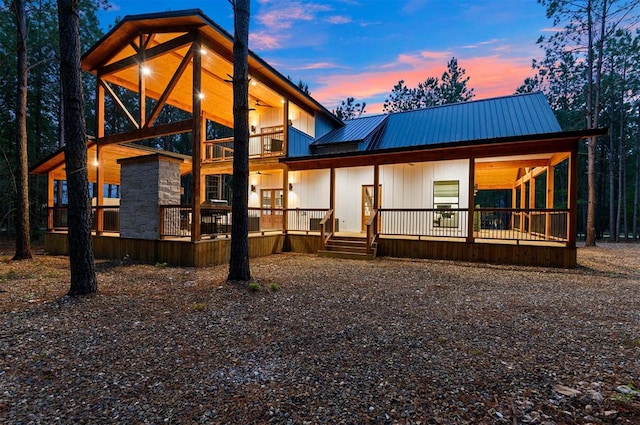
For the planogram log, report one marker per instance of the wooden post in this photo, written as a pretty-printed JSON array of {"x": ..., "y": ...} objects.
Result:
[
  {"x": 50, "y": 200},
  {"x": 285, "y": 199},
  {"x": 196, "y": 139},
  {"x": 532, "y": 199},
  {"x": 285, "y": 126},
  {"x": 98, "y": 160},
  {"x": 471, "y": 199},
  {"x": 376, "y": 197},
  {"x": 549, "y": 202},
  {"x": 203, "y": 132},
  {"x": 332, "y": 197},
  {"x": 572, "y": 187},
  {"x": 142, "y": 83}
]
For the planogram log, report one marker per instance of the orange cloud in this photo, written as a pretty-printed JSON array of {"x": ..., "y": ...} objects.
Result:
[{"x": 489, "y": 77}]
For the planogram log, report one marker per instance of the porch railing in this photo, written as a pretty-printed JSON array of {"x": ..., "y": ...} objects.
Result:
[
  {"x": 57, "y": 218},
  {"x": 516, "y": 224},
  {"x": 260, "y": 145},
  {"x": 305, "y": 219},
  {"x": 371, "y": 233},
  {"x": 327, "y": 227},
  {"x": 427, "y": 222}
]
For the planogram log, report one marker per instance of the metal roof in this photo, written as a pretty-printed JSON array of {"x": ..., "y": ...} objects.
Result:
[
  {"x": 509, "y": 116},
  {"x": 355, "y": 130}
]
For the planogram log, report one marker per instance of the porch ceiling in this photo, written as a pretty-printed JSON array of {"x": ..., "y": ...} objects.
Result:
[
  {"x": 502, "y": 172},
  {"x": 109, "y": 154}
]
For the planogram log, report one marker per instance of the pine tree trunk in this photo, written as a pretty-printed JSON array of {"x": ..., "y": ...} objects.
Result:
[
  {"x": 239, "y": 260},
  {"x": 83, "y": 276},
  {"x": 23, "y": 242},
  {"x": 612, "y": 190}
]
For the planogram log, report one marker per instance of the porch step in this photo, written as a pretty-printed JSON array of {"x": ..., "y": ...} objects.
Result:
[{"x": 352, "y": 248}]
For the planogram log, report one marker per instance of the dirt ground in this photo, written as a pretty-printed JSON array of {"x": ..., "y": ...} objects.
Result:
[{"x": 316, "y": 340}]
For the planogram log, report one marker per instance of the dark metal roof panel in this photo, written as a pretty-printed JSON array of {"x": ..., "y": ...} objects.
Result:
[
  {"x": 354, "y": 130},
  {"x": 507, "y": 116}
]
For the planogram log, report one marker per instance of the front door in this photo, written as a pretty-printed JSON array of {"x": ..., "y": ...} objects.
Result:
[
  {"x": 367, "y": 203},
  {"x": 271, "y": 212}
]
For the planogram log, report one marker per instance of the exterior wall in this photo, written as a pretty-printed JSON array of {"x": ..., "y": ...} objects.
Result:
[
  {"x": 145, "y": 185},
  {"x": 301, "y": 120},
  {"x": 298, "y": 143},
  {"x": 310, "y": 189},
  {"x": 322, "y": 126},
  {"x": 267, "y": 180}
]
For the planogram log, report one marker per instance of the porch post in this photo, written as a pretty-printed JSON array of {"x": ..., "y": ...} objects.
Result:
[
  {"x": 99, "y": 165},
  {"x": 532, "y": 199},
  {"x": 196, "y": 139},
  {"x": 376, "y": 197},
  {"x": 471, "y": 199},
  {"x": 142, "y": 83},
  {"x": 50, "y": 203},
  {"x": 572, "y": 187},
  {"x": 332, "y": 197},
  {"x": 285, "y": 199},
  {"x": 285, "y": 127},
  {"x": 549, "y": 203}
]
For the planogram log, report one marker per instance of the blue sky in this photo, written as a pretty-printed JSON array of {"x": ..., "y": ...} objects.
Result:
[{"x": 362, "y": 48}]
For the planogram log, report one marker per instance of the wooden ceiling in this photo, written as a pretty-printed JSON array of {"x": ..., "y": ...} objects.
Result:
[{"x": 161, "y": 42}]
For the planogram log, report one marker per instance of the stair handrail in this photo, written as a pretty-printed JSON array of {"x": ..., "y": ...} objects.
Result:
[
  {"x": 371, "y": 231},
  {"x": 324, "y": 235}
]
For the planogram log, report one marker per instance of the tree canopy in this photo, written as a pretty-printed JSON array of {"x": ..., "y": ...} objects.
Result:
[{"x": 450, "y": 88}]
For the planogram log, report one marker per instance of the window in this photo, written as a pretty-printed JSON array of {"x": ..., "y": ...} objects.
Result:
[{"x": 446, "y": 196}]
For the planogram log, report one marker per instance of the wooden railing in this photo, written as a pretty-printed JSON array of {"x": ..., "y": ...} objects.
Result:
[
  {"x": 371, "y": 231},
  {"x": 327, "y": 227},
  {"x": 260, "y": 145}
]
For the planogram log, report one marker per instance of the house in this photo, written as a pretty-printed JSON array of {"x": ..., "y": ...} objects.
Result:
[{"x": 406, "y": 185}]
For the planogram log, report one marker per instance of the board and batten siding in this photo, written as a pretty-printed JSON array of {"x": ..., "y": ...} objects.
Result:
[{"x": 403, "y": 186}]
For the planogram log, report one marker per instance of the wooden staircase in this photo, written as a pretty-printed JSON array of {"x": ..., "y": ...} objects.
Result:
[{"x": 349, "y": 247}]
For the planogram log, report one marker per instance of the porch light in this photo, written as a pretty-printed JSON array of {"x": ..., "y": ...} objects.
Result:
[
  {"x": 253, "y": 128},
  {"x": 200, "y": 95},
  {"x": 253, "y": 188},
  {"x": 290, "y": 186},
  {"x": 203, "y": 51},
  {"x": 145, "y": 70},
  {"x": 96, "y": 162}
]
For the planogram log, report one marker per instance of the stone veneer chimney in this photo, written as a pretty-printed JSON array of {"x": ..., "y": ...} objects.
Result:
[{"x": 146, "y": 182}]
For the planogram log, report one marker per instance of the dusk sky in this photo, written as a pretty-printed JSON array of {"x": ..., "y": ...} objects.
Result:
[{"x": 362, "y": 48}]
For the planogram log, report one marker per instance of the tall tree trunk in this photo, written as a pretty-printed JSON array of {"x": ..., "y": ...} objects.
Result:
[
  {"x": 23, "y": 241},
  {"x": 612, "y": 187},
  {"x": 239, "y": 260},
  {"x": 636, "y": 185},
  {"x": 591, "y": 144},
  {"x": 621, "y": 163},
  {"x": 83, "y": 276}
]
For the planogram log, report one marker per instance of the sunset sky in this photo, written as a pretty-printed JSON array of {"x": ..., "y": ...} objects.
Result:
[{"x": 362, "y": 48}]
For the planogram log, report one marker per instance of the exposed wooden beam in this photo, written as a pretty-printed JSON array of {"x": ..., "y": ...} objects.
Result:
[
  {"x": 118, "y": 102},
  {"x": 167, "y": 91},
  {"x": 558, "y": 158},
  {"x": 148, "y": 133},
  {"x": 152, "y": 53}
]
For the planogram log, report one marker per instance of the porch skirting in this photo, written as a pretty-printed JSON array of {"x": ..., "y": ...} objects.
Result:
[{"x": 217, "y": 251}]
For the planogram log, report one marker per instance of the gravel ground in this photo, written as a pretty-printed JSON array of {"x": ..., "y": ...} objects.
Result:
[{"x": 324, "y": 341}]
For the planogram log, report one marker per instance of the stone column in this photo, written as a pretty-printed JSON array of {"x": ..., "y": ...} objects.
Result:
[{"x": 146, "y": 182}]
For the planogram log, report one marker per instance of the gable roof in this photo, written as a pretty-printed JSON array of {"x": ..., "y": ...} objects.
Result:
[
  {"x": 508, "y": 116},
  {"x": 116, "y": 55},
  {"x": 465, "y": 122},
  {"x": 354, "y": 131}
]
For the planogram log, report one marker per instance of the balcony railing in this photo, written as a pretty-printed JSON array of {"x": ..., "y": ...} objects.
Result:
[
  {"x": 57, "y": 218},
  {"x": 260, "y": 145}
]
